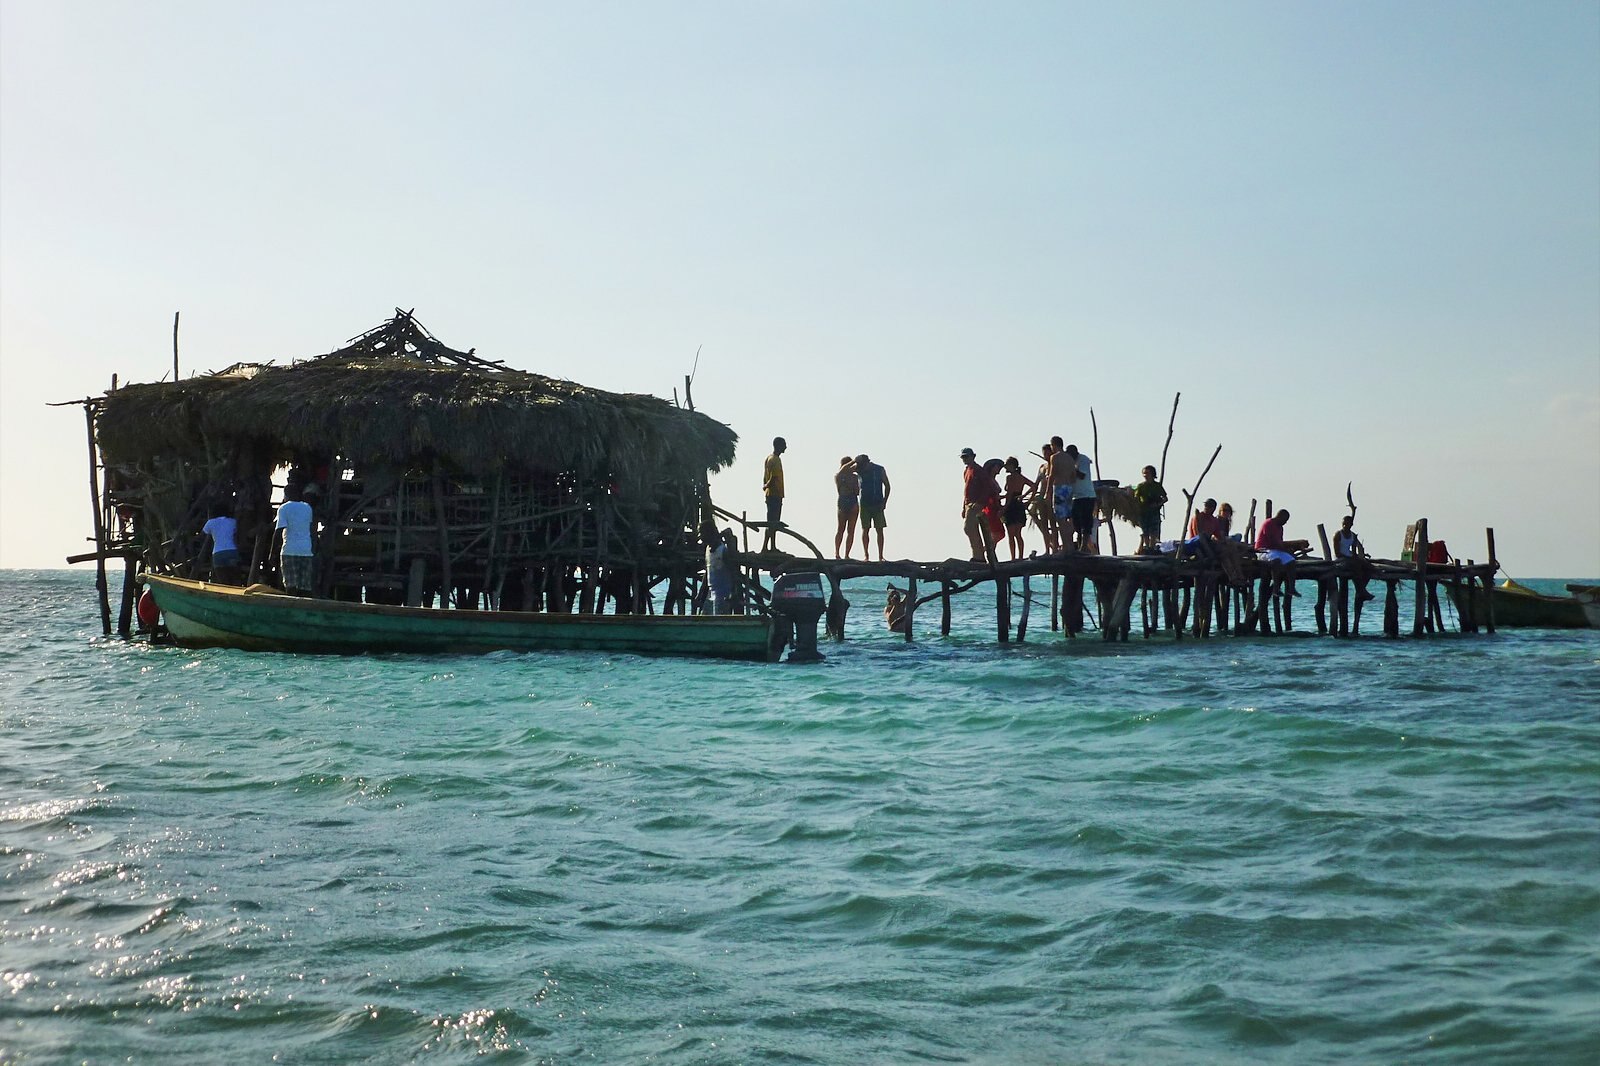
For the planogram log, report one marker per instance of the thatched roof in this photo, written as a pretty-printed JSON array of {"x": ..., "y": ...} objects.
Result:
[{"x": 396, "y": 396}]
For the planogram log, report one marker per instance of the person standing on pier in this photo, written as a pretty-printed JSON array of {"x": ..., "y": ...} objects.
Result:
[
  {"x": 1151, "y": 496},
  {"x": 975, "y": 493},
  {"x": 1084, "y": 497},
  {"x": 1063, "y": 474},
  {"x": 772, "y": 489},
  {"x": 874, "y": 498},
  {"x": 848, "y": 483},
  {"x": 1016, "y": 505},
  {"x": 1041, "y": 505}
]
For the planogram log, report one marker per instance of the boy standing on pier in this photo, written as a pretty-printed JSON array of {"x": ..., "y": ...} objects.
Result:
[
  {"x": 772, "y": 489},
  {"x": 1151, "y": 496}
]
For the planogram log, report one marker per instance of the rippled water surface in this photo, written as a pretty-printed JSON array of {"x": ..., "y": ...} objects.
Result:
[{"x": 1263, "y": 850}]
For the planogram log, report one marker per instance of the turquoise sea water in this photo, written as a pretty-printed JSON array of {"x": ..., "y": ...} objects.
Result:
[{"x": 1261, "y": 850}]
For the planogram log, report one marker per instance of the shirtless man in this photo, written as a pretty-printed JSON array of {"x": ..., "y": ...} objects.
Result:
[
  {"x": 1041, "y": 505},
  {"x": 1063, "y": 474}
]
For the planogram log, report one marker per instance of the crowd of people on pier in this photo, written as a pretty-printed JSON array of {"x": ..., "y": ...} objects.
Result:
[{"x": 1063, "y": 501}]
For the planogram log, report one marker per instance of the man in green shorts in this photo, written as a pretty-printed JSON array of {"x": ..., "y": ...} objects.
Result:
[{"x": 874, "y": 498}]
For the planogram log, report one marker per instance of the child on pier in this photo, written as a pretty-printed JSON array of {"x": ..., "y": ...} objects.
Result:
[{"x": 1151, "y": 496}]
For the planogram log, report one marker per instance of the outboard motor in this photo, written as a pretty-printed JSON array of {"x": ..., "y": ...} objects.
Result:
[{"x": 797, "y": 604}]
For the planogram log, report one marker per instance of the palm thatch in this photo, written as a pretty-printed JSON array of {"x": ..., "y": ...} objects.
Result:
[
  {"x": 1120, "y": 502},
  {"x": 398, "y": 397}
]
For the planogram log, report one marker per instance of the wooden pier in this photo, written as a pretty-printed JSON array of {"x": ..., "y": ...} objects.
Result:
[{"x": 1224, "y": 590}]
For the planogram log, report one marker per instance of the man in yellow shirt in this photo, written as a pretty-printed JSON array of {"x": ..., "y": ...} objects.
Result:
[{"x": 772, "y": 488}]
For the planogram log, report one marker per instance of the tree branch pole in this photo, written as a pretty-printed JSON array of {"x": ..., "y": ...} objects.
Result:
[
  {"x": 1111, "y": 526},
  {"x": 1188, "y": 507},
  {"x": 1161, "y": 476},
  {"x": 175, "y": 345}
]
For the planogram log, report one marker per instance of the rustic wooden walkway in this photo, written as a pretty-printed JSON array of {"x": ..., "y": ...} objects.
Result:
[{"x": 1227, "y": 591}]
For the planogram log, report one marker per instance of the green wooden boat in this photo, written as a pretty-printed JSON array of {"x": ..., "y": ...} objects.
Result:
[
  {"x": 260, "y": 618},
  {"x": 1519, "y": 606}
]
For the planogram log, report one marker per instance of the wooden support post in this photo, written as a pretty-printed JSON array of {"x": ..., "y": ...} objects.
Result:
[
  {"x": 1181, "y": 594},
  {"x": 1322, "y": 532},
  {"x": 130, "y": 592},
  {"x": 1117, "y": 617},
  {"x": 1002, "y": 608},
  {"x": 1420, "y": 553},
  {"x": 1488, "y": 582},
  {"x": 1342, "y": 607},
  {"x": 447, "y": 590},
  {"x": 1435, "y": 616},
  {"x": 99, "y": 524},
  {"x": 1055, "y": 602},
  {"x": 944, "y": 608},
  {"x": 1322, "y": 607},
  {"x": 1027, "y": 602},
  {"x": 1391, "y": 609},
  {"x": 1288, "y": 597},
  {"x": 1074, "y": 585},
  {"x": 911, "y": 604}
]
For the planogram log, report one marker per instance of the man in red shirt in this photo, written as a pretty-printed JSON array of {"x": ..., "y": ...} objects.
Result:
[
  {"x": 1270, "y": 536},
  {"x": 979, "y": 486}
]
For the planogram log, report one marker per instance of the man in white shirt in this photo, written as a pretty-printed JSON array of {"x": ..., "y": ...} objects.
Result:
[{"x": 295, "y": 563}]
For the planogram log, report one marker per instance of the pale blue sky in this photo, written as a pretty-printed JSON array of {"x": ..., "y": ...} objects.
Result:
[{"x": 1362, "y": 239}]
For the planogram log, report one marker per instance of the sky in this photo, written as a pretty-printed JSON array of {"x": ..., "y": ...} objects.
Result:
[{"x": 1361, "y": 240}]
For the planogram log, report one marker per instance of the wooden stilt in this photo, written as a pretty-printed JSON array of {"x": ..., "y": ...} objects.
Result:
[
  {"x": 130, "y": 592},
  {"x": 99, "y": 524},
  {"x": 1055, "y": 602},
  {"x": 1002, "y": 608},
  {"x": 1420, "y": 551},
  {"x": 1488, "y": 581},
  {"x": 1027, "y": 603},
  {"x": 1322, "y": 607},
  {"x": 944, "y": 608},
  {"x": 911, "y": 602},
  {"x": 1391, "y": 609}
]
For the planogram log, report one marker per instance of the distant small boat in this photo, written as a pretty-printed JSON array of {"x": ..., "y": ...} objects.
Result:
[
  {"x": 1588, "y": 597},
  {"x": 1519, "y": 606},
  {"x": 260, "y": 618}
]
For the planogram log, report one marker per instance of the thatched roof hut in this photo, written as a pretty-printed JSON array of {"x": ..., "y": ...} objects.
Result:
[
  {"x": 397, "y": 396},
  {"x": 423, "y": 455}
]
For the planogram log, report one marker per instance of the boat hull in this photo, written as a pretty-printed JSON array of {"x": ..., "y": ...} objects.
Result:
[
  {"x": 200, "y": 614},
  {"x": 1519, "y": 607}
]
